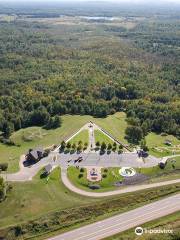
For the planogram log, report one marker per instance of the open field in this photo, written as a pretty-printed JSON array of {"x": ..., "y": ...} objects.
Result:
[
  {"x": 171, "y": 221},
  {"x": 111, "y": 175},
  {"x": 101, "y": 137},
  {"x": 7, "y": 18},
  {"x": 32, "y": 199},
  {"x": 156, "y": 145},
  {"x": 76, "y": 20},
  {"x": 83, "y": 136}
]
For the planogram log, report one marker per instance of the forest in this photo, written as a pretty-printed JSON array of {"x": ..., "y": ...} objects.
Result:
[{"x": 48, "y": 69}]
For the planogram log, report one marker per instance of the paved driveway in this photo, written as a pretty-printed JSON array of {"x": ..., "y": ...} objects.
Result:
[
  {"x": 89, "y": 159},
  {"x": 107, "y": 160}
]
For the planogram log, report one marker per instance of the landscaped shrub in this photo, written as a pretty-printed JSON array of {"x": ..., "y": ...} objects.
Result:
[
  {"x": 162, "y": 165},
  {"x": 98, "y": 144},
  {"x": 105, "y": 170},
  {"x": 79, "y": 148},
  {"x": 114, "y": 149},
  {"x": 82, "y": 170},
  {"x": 63, "y": 145},
  {"x": 120, "y": 147},
  {"x": 3, "y": 166},
  {"x": 46, "y": 152},
  {"x": 3, "y": 189},
  {"x": 109, "y": 146},
  {"x": 80, "y": 175},
  {"x": 68, "y": 145},
  {"x": 103, "y": 146},
  {"x": 74, "y": 146},
  {"x": 80, "y": 142},
  {"x": 104, "y": 175}
]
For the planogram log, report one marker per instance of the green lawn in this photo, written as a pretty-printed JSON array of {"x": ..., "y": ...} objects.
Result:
[
  {"x": 156, "y": 145},
  {"x": 115, "y": 124},
  {"x": 106, "y": 184},
  {"x": 157, "y": 140},
  {"x": 37, "y": 136},
  {"x": 83, "y": 136},
  {"x": 32, "y": 199},
  {"x": 101, "y": 137},
  {"x": 156, "y": 171},
  {"x": 113, "y": 176}
]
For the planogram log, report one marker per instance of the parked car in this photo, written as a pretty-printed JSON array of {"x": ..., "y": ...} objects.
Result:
[{"x": 93, "y": 187}]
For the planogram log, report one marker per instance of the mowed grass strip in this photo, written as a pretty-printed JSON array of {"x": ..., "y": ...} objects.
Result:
[
  {"x": 115, "y": 124},
  {"x": 101, "y": 137},
  {"x": 83, "y": 136}
]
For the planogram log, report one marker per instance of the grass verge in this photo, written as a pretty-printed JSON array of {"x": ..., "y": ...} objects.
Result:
[{"x": 63, "y": 220}]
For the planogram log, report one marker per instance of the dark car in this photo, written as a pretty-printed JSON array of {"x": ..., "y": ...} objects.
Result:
[{"x": 93, "y": 187}]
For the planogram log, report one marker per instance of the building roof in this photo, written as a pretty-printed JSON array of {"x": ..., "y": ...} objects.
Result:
[
  {"x": 35, "y": 152},
  {"x": 48, "y": 168}
]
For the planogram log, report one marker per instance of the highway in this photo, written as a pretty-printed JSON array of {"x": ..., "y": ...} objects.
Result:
[{"x": 124, "y": 221}]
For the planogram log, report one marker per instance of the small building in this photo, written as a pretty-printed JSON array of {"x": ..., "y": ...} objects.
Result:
[
  {"x": 48, "y": 169},
  {"x": 168, "y": 142},
  {"x": 35, "y": 154}
]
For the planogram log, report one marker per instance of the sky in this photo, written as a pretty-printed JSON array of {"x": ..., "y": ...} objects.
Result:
[{"x": 117, "y": 1}]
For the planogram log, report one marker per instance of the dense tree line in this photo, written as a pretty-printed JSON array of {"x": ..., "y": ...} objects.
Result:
[{"x": 43, "y": 75}]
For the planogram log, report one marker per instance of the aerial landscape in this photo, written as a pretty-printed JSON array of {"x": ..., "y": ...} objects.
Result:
[{"x": 90, "y": 120}]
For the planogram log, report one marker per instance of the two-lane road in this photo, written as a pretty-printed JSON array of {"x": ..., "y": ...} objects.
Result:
[{"x": 124, "y": 221}]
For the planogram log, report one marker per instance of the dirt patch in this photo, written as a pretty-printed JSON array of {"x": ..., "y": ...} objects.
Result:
[{"x": 137, "y": 178}]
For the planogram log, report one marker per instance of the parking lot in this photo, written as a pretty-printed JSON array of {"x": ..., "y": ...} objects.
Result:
[{"x": 105, "y": 160}]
